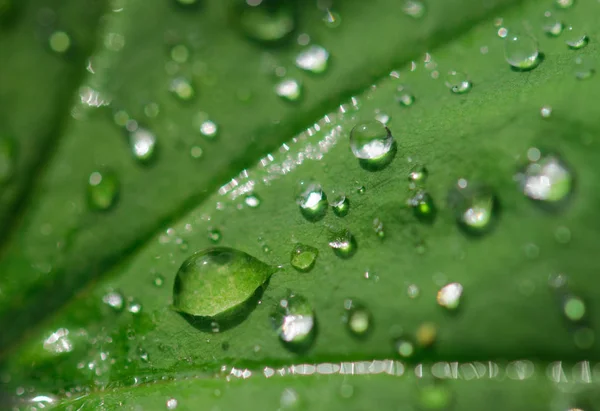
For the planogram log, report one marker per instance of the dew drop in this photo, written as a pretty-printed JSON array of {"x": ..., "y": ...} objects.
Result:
[
  {"x": 574, "y": 308},
  {"x": 214, "y": 235},
  {"x": 182, "y": 88},
  {"x": 404, "y": 97},
  {"x": 7, "y": 158},
  {"x": 339, "y": 203},
  {"x": 521, "y": 51},
  {"x": 313, "y": 59},
  {"x": 217, "y": 280},
  {"x": 209, "y": 129},
  {"x": 564, "y": 4},
  {"x": 289, "y": 89},
  {"x": 575, "y": 38},
  {"x": 102, "y": 189},
  {"x": 551, "y": 25},
  {"x": 423, "y": 206},
  {"x": 294, "y": 322},
  {"x": 114, "y": 300},
  {"x": 289, "y": 399},
  {"x": 159, "y": 280},
  {"x": 134, "y": 306},
  {"x": 379, "y": 228},
  {"x": 546, "y": 179},
  {"x": 252, "y": 200},
  {"x": 180, "y": 53},
  {"x": 371, "y": 141},
  {"x": 332, "y": 19},
  {"x": 172, "y": 402},
  {"x": 382, "y": 117},
  {"x": 357, "y": 318},
  {"x": 343, "y": 243},
  {"x": 449, "y": 296},
  {"x": 417, "y": 176},
  {"x": 474, "y": 205},
  {"x": 303, "y": 257},
  {"x": 311, "y": 200},
  {"x": 143, "y": 144},
  {"x": 59, "y": 42},
  {"x": 404, "y": 348},
  {"x": 562, "y": 235},
  {"x": 414, "y": 8},
  {"x": 583, "y": 68},
  {"x": 458, "y": 82},
  {"x": 546, "y": 111},
  {"x": 413, "y": 291},
  {"x": 143, "y": 354},
  {"x": 266, "y": 21},
  {"x": 361, "y": 189}
]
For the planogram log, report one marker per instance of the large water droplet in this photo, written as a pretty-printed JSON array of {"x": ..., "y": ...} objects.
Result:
[
  {"x": 217, "y": 281},
  {"x": 303, "y": 257},
  {"x": 7, "y": 158},
  {"x": 114, "y": 300},
  {"x": 343, "y": 243},
  {"x": 143, "y": 144},
  {"x": 458, "y": 82},
  {"x": 289, "y": 89},
  {"x": 311, "y": 199},
  {"x": 575, "y": 38},
  {"x": 521, "y": 51},
  {"x": 102, "y": 189},
  {"x": 449, "y": 296},
  {"x": 474, "y": 205},
  {"x": 417, "y": 176},
  {"x": 313, "y": 59},
  {"x": 564, "y": 4},
  {"x": 266, "y": 21},
  {"x": 373, "y": 144},
  {"x": 357, "y": 318},
  {"x": 546, "y": 179},
  {"x": 405, "y": 348},
  {"x": 295, "y": 323}
]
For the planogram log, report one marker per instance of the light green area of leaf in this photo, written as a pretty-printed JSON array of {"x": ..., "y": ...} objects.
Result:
[{"x": 508, "y": 310}]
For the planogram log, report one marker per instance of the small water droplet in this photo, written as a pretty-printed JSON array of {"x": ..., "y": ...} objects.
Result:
[
  {"x": 378, "y": 228},
  {"x": 574, "y": 308},
  {"x": 252, "y": 200},
  {"x": 564, "y": 4},
  {"x": 417, "y": 176},
  {"x": 546, "y": 111},
  {"x": 332, "y": 19},
  {"x": 289, "y": 89},
  {"x": 134, "y": 306},
  {"x": 343, "y": 243},
  {"x": 303, "y": 257},
  {"x": 423, "y": 206},
  {"x": 339, "y": 203},
  {"x": 474, "y": 205},
  {"x": 159, "y": 280},
  {"x": 172, "y": 402},
  {"x": 289, "y": 399},
  {"x": 404, "y": 97},
  {"x": 414, "y": 8},
  {"x": 266, "y": 21},
  {"x": 59, "y": 42},
  {"x": 143, "y": 144},
  {"x": 7, "y": 158},
  {"x": 151, "y": 110},
  {"x": 230, "y": 274},
  {"x": 575, "y": 38},
  {"x": 294, "y": 321},
  {"x": 182, "y": 88},
  {"x": 357, "y": 318},
  {"x": 449, "y": 296},
  {"x": 546, "y": 179},
  {"x": 209, "y": 129},
  {"x": 214, "y": 235},
  {"x": 180, "y": 53},
  {"x": 583, "y": 68},
  {"x": 115, "y": 300},
  {"x": 313, "y": 59},
  {"x": 311, "y": 200},
  {"x": 551, "y": 25},
  {"x": 521, "y": 51},
  {"x": 372, "y": 143},
  {"x": 102, "y": 189},
  {"x": 405, "y": 348},
  {"x": 426, "y": 334},
  {"x": 458, "y": 82},
  {"x": 346, "y": 390}
]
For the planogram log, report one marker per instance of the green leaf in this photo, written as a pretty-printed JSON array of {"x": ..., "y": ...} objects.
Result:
[{"x": 116, "y": 340}]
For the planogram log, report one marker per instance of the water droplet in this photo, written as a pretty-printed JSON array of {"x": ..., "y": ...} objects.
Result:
[
  {"x": 114, "y": 300},
  {"x": 289, "y": 89},
  {"x": 143, "y": 354},
  {"x": 289, "y": 399},
  {"x": 449, "y": 296},
  {"x": 182, "y": 88},
  {"x": 102, "y": 189},
  {"x": 214, "y": 235},
  {"x": 417, "y": 176},
  {"x": 252, "y": 200},
  {"x": 134, "y": 306},
  {"x": 59, "y": 42},
  {"x": 294, "y": 321},
  {"x": 562, "y": 235},
  {"x": 474, "y": 205},
  {"x": 412, "y": 291},
  {"x": 180, "y": 53},
  {"x": 404, "y": 97},
  {"x": 426, "y": 334},
  {"x": 575, "y": 38},
  {"x": 546, "y": 179},
  {"x": 313, "y": 59},
  {"x": 371, "y": 142},
  {"x": 311, "y": 199},
  {"x": 332, "y": 19},
  {"x": 231, "y": 275},
  {"x": 423, "y": 206},
  {"x": 546, "y": 111},
  {"x": 551, "y": 25},
  {"x": 361, "y": 189},
  {"x": 521, "y": 51},
  {"x": 339, "y": 203},
  {"x": 357, "y": 318},
  {"x": 159, "y": 280},
  {"x": 143, "y": 144},
  {"x": 266, "y": 21},
  {"x": 343, "y": 243},
  {"x": 458, "y": 82},
  {"x": 413, "y": 8},
  {"x": 196, "y": 152},
  {"x": 564, "y": 4},
  {"x": 405, "y": 348},
  {"x": 583, "y": 68},
  {"x": 378, "y": 228},
  {"x": 172, "y": 402},
  {"x": 574, "y": 308},
  {"x": 7, "y": 158},
  {"x": 303, "y": 257}
]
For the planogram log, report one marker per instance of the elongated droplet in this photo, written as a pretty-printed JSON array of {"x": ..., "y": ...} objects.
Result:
[
  {"x": 417, "y": 176},
  {"x": 217, "y": 280},
  {"x": 458, "y": 82},
  {"x": 303, "y": 257},
  {"x": 564, "y": 4},
  {"x": 267, "y": 21},
  {"x": 357, "y": 318},
  {"x": 143, "y": 144},
  {"x": 289, "y": 89},
  {"x": 521, "y": 51},
  {"x": 294, "y": 321},
  {"x": 343, "y": 243},
  {"x": 546, "y": 179},
  {"x": 414, "y": 8},
  {"x": 314, "y": 59},
  {"x": 372, "y": 143},
  {"x": 449, "y": 296},
  {"x": 311, "y": 199},
  {"x": 102, "y": 189},
  {"x": 474, "y": 205},
  {"x": 7, "y": 158}
]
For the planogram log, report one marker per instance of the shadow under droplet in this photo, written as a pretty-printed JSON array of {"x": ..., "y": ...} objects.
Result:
[{"x": 380, "y": 163}]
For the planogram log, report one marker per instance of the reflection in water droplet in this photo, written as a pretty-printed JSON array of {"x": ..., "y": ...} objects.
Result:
[
  {"x": 551, "y": 25},
  {"x": 143, "y": 144},
  {"x": 371, "y": 141},
  {"x": 266, "y": 21},
  {"x": 575, "y": 38},
  {"x": 159, "y": 280},
  {"x": 583, "y": 68},
  {"x": 357, "y": 318},
  {"x": 182, "y": 88},
  {"x": 304, "y": 257},
  {"x": 414, "y": 8},
  {"x": 7, "y": 158},
  {"x": 313, "y": 59},
  {"x": 217, "y": 280},
  {"x": 574, "y": 308},
  {"x": 209, "y": 129},
  {"x": 546, "y": 111},
  {"x": 102, "y": 189},
  {"x": 294, "y": 321},
  {"x": 449, "y": 296},
  {"x": 417, "y": 176},
  {"x": 311, "y": 199},
  {"x": 404, "y": 96},
  {"x": 58, "y": 342},
  {"x": 423, "y": 206},
  {"x": 114, "y": 299},
  {"x": 474, "y": 206},
  {"x": 133, "y": 306},
  {"x": 546, "y": 179},
  {"x": 343, "y": 243},
  {"x": 59, "y": 42},
  {"x": 289, "y": 89},
  {"x": 521, "y": 51},
  {"x": 458, "y": 82}
]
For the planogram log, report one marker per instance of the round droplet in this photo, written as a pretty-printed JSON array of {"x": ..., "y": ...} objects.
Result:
[
  {"x": 313, "y": 59},
  {"x": 382, "y": 117},
  {"x": 217, "y": 280},
  {"x": 289, "y": 89},
  {"x": 114, "y": 300},
  {"x": 417, "y": 176},
  {"x": 546, "y": 111},
  {"x": 575, "y": 38},
  {"x": 551, "y": 25},
  {"x": 196, "y": 152},
  {"x": 7, "y": 158},
  {"x": 414, "y": 8},
  {"x": 423, "y": 206},
  {"x": 434, "y": 397},
  {"x": 252, "y": 200},
  {"x": 564, "y": 4},
  {"x": 311, "y": 199},
  {"x": 209, "y": 129},
  {"x": 357, "y": 318},
  {"x": 361, "y": 189},
  {"x": 102, "y": 189},
  {"x": 59, "y": 42},
  {"x": 172, "y": 402},
  {"x": 583, "y": 68},
  {"x": 303, "y": 257},
  {"x": 294, "y": 321},
  {"x": 182, "y": 88},
  {"x": 474, "y": 205},
  {"x": 214, "y": 235},
  {"x": 339, "y": 203},
  {"x": 404, "y": 97},
  {"x": 266, "y": 21},
  {"x": 180, "y": 53},
  {"x": 546, "y": 179},
  {"x": 159, "y": 280},
  {"x": 449, "y": 296},
  {"x": 371, "y": 141},
  {"x": 343, "y": 243},
  {"x": 458, "y": 82},
  {"x": 574, "y": 308},
  {"x": 521, "y": 51},
  {"x": 405, "y": 348}
]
